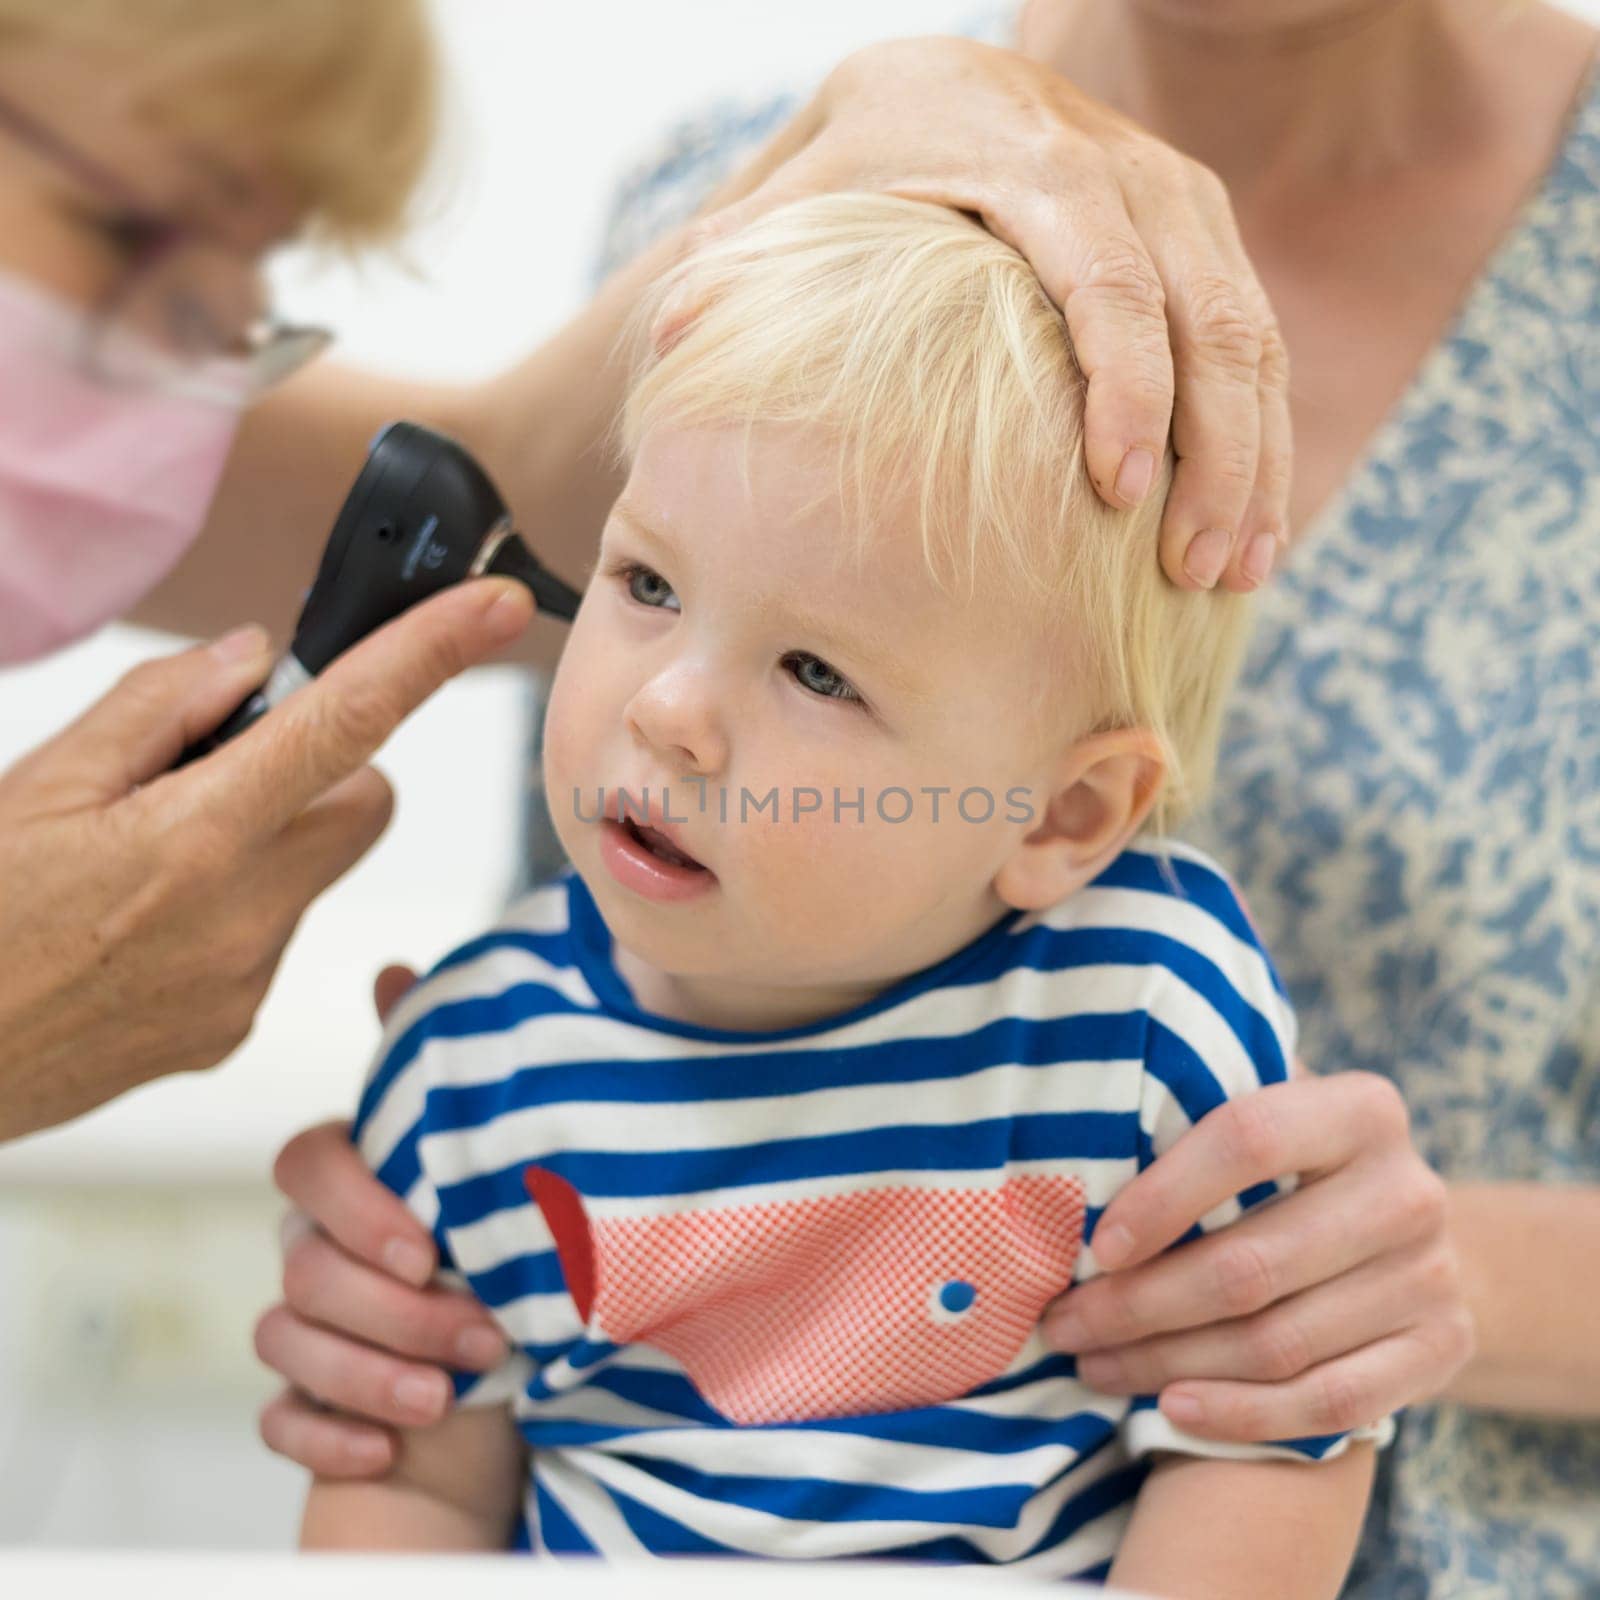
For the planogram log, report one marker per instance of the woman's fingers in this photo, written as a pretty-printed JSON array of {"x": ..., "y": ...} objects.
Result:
[
  {"x": 1316, "y": 1234},
  {"x": 1080, "y": 241},
  {"x": 322, "y": 1284},
  {"x": 1265, "y": 533},
  {"x": 347, "y": 1327},
  {"x": 322, "y": 1173},
  {"x": 1306, "y": 1127},
  {"x": 1092, "y": 258},
  {"x": 1350, "y": 1392},
  {"x": 332, "y": 728},
  {"x": 1219, "y": 324},
  {"x": 323, "y": 1442},
  {"x": 135, "y": 731},
  {"x": 390, "y": 987},
  {"x": 1379, "y": 1299},
  {"x": 1313, "y": 1314},
  {"x": 350, "y": 1376},
  {"x": 320, "y": 845}
]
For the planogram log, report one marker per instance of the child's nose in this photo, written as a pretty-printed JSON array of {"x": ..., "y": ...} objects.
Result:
[{"x": 675, "y": 713}]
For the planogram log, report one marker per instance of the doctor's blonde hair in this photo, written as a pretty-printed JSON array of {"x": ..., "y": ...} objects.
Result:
[
  {"x": 928, "y": 351},
  {"x": 337, "y": 98}
]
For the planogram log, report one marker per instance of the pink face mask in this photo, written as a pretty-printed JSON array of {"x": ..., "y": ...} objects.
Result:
[{"x": 101, "y": 489}]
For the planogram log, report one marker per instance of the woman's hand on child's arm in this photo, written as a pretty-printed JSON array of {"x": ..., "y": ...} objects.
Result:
[
  {"x": 359, "y": 1328},
  {"x": 1205, "y": 1529},
  {"x": 1324, "y": 1311},
  {"x": 453, "y": 1487},
  {"x": 336, "y": 1308},
  {"x": 1136, "y": 242}
]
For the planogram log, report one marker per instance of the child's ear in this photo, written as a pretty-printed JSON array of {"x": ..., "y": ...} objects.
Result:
[{"x": 1098, "y": 796}]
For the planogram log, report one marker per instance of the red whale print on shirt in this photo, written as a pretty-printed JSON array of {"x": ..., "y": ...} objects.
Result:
[{"x": 840, "y": 1305}]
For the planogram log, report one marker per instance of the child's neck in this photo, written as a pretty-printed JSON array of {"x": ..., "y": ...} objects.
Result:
[{"x": 741, "y": 1007}]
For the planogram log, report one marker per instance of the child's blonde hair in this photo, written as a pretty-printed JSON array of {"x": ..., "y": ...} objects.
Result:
[
  {"x": 338, "y": 98},
  {"x": 930, "y": 351}
]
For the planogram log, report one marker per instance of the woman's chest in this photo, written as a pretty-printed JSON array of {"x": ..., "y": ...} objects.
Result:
[
  {"x": 1411, "y": 779},
  {"x": 1364, "y": 289},
  {"x": 1410, "y": 784}
]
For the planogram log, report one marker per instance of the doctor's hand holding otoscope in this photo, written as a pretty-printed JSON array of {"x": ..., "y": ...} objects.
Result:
[{"x": 298, "y": 802}]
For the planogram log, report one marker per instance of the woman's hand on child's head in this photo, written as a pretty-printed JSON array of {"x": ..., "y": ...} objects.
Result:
[
  {"x": 1136, "y": 243},
  {"x": 361, "y": 1336},
  {"x": 1321, "y": 1312}
]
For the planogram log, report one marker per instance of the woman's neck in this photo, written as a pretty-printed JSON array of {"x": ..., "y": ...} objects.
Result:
[{"x": 1371, "y": 85}]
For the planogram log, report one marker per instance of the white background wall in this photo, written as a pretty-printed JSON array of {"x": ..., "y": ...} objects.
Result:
[{"x": 136, "y": 1246}]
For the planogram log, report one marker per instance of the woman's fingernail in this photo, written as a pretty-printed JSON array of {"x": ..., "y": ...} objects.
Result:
[
  {"x": 510, "y": 613},
  {"x": 1135, "y": 476},
  {"x": 1183, "y": 1409},
  {"x": 1208, "y": 555},
  {"x": 1111, "y": 1245},
  {"x": 408, "y": 1260},
  {"x": 422, "y": 1394},
  {"x": 479, "y": 1348},
  {"x": 1066, "y": 1331},
  {"x": 1259, "y": 556},
  {"x": 241, "y": 645}
]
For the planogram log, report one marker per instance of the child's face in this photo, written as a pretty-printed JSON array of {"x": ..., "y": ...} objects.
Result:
[{"x": 723, "y": 641}]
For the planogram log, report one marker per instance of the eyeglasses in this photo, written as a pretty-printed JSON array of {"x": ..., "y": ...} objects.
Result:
[{"x": 186, "y": 315}]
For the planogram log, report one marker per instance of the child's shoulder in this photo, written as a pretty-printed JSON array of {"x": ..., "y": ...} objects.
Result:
[
  {"x": 1167, "y": 891},
  {"x": 522, "y": 967},
  {"x": 529, "y": 946},
  {"x": 458, "y": 1026},
  {"x": 532, "y": 942},
  {"x": 1164, "y": 930}
]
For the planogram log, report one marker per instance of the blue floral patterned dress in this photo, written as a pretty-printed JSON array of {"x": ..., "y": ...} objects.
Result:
[{"x": 1410, "y": 796}]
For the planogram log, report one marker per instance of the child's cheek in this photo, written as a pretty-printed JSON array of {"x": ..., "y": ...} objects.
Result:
[
  {"x": 571, "y": 739},
  {"x": 586, "y": 696},
  {"x": 826, "y": 854}
]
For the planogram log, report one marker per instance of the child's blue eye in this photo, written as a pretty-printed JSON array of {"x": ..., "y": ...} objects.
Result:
[
  {"x": 649, "y": 588},
  {"x": 817, "y": 676}
]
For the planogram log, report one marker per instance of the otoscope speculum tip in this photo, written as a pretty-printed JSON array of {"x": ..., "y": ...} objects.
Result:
[{"x": 551, "y": 594}]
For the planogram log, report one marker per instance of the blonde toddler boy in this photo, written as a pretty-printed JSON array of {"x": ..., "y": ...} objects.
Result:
[{"x": 768, "y": 1131}]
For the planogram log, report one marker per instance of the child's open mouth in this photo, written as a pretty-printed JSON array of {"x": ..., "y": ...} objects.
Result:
[
  {"x": 659, "y": 845},
  {"x": 645, "y": 860}
]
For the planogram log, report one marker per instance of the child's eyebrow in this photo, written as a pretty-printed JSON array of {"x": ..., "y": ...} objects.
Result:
[
  {"x": 627, "y": 514},
  {"x": 881, "y": 663}
]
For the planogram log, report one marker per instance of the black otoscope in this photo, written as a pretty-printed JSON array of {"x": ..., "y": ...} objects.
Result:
[{"x": 421, "y": 516}]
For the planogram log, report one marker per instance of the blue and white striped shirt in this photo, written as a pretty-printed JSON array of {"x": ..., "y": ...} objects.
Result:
[{"x": 775, "y": 1293}]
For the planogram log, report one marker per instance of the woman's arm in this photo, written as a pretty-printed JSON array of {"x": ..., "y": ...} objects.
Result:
[
  {"x": 1530, "y": 1254},
  {"x": 540, "y": 430},
  {"x": 1205, "y": 1529},
  {"x": 453, "y": 1487}
]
